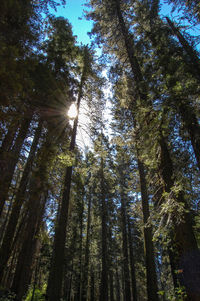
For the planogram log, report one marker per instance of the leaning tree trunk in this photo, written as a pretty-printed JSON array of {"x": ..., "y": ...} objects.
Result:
[
  {"x": 6, "y": 247},
  {"x": 13, "y": 156},
  {"x": 35, "y": 211}
]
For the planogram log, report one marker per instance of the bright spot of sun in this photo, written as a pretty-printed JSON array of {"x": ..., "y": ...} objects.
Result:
[{"x": 72, "y": 113}]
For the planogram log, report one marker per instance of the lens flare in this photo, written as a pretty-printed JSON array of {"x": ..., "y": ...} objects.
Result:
[{"x": 72, "y": 113}]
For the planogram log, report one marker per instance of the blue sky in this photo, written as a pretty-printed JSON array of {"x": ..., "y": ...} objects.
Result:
[{"x": 73, "y": 11}]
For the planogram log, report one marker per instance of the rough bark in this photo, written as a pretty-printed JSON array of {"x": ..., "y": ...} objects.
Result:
[
  {"x": 8, "y": 170},
  {"x": 141, "y": 91},
  {"x": 127, "y": 284},
  {"x": 6, "y": 247},
  {"x": 152, "y": 287},
  {"x": 132, "y": 261},
  {"x": 54, "y": 288},
  {"x": 186, "y": 249},
  {"x": 87, "y": 251},
  {"x": 104, "y": 247}
]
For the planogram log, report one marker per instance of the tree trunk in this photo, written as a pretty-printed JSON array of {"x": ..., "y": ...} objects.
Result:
[
  {"x": 111, "y": 286},
  {"x": 118, "y": 290},
  {"x": 13, "y": 156},
  {"x": 127, "y": 284},
  {"x": 6, "y": 247},
  {"x": 35, "y": 212},
  {"x": 187, "y": 253},
  {"x": 87, "y": 251},
  {"x": 54, "y": 287},
  {"x": 104, "y": 272},
  {"x": 152, "y": 286},
  {"x": 132, "y": 261}
]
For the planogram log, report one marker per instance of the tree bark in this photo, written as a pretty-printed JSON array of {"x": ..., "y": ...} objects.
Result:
[
  {"x": 6, "y": 247},
  {"x": 152, "y": 287},
  {"x": 127, "y": 284},
  {"x": 54, "y": 287},
  {"x": 186, "y": 249},
  {"x": 132, "y": 261},
  {"x": 8, "y": 171},
  {"x": 87, "y": 251},
  {"x": 104, "y": 248}
]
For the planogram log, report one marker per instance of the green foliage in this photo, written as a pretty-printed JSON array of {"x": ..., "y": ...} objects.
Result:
[{"x": 39, "y": 294}]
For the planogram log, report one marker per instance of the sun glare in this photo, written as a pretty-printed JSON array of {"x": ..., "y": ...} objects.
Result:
[{"x": 72, "y": 113}]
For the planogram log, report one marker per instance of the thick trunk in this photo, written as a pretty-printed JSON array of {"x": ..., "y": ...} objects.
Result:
[
  {"x": 54, "y": 287},
  {"x": 152, "y": 286},
  {"x": 6, "y": 246},
  {"x": 187, "y": 253},
  {"x": 35, "y": 212},
  {"x": 192, "y": 126},
  {"x": 132, "y": 261},
  {"x": 24, "y": 268},
  {"x": 13, "y": 156}
]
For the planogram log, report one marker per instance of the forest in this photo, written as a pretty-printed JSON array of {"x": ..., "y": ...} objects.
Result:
[{"x": 117, "y": 219}]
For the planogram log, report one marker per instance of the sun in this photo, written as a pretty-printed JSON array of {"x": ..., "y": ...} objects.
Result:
[{"x": 72, "y": 113}]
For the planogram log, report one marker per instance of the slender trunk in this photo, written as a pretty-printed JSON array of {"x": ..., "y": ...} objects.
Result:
[
  {"x": 92, "y": 287},
  {"x": 6, "y": 248},
  {"x": 132, "y": 261},
  {"x": 118, "y": 290},
  {"x": 104, "y": 272},
  {"x": 8, "y": 171},
  {"x": 152, "y": 286},
  {"x": 127, "y": 282},
  {"x": 79, "y": 293},
  {"x": 111, "y": 286},
  {"x": 87, "y": 251},
  {"x": 8, "y": 142},
  {"x": 54, "y": 288}
]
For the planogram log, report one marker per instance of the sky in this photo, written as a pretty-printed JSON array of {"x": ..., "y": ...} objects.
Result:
[{"x": 73, "y": 11}]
